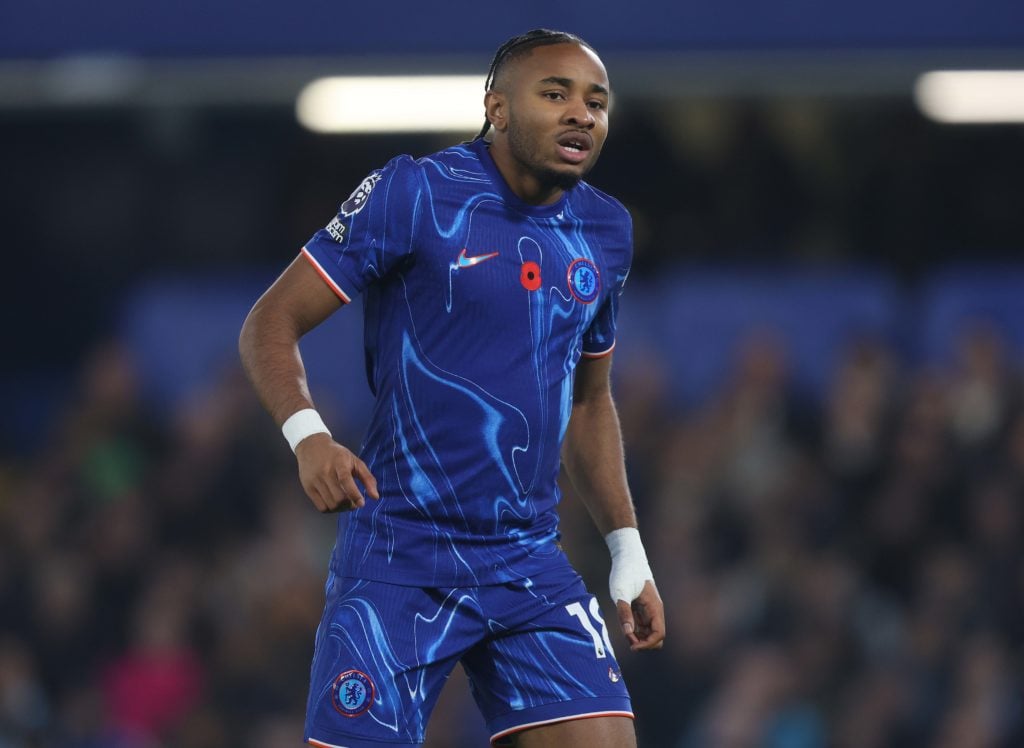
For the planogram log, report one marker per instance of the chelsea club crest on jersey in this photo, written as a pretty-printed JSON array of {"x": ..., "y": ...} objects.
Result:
[{"x": 584, "y": 280}]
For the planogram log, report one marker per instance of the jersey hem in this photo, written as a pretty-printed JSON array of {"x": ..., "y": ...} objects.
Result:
[
  {"x": 557, "y": 561},
  {"x": 498, "y": 561}
]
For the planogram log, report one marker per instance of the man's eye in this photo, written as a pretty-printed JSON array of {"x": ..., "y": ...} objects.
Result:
[
  {"x": 555, "y": 95},
  {"x": 596, "y": 104}
]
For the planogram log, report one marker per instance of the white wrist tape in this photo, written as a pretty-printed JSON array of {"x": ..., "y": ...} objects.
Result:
[
  {"x": 629, "y": 564},
  {"x": 301, "y": 424}
]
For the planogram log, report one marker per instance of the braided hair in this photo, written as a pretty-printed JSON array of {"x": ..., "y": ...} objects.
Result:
[{"x": 518, "y": 46}]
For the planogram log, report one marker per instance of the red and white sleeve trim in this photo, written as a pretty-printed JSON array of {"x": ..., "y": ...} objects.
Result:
[
  {"x": 327, "y": 278},
  {"x": 599, "y": 354}
]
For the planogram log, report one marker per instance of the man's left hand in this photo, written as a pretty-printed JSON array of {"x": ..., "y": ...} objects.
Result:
[{"x": 643, "y": 620}]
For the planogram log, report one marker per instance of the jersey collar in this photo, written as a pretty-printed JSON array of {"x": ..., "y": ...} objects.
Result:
[{"x": 483, "y": 152}]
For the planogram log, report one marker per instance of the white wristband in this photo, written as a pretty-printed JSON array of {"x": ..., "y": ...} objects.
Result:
[
  {"x": 301, "y": 424},
  {"x": 630, "y": 569}
]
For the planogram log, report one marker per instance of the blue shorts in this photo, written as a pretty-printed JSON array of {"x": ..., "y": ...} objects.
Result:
[{"x": 536, "y": 651}]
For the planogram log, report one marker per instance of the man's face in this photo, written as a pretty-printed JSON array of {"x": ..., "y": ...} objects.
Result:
[{"x": 557, "y": 112}]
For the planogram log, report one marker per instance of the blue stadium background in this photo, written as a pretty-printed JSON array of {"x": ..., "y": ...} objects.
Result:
[{"x": 819, "y": 368}]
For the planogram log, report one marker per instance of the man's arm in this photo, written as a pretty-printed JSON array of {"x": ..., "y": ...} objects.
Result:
[
  {"x": 593, "y": 458},
  {"x": 297, "y": 302}
]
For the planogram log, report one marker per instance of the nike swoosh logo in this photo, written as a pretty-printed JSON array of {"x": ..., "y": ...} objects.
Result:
[{"x": 468, "y": 262}]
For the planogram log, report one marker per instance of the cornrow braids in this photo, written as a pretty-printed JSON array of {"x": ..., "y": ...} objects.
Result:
[{"x": 518, "y": 46}]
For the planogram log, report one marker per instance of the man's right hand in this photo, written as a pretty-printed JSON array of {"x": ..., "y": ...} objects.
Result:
[{"x": 328, "y": 473}]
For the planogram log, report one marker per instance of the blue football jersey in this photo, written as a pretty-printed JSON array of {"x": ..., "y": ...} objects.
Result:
[{"x": 478, "y": 307}]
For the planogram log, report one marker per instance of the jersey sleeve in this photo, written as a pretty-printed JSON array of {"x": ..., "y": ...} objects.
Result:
[
  {"x": 599, "y": 339},
  {"x": 372, "y": 232}
]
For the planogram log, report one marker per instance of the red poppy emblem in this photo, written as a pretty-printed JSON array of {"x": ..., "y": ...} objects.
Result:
[{"x": 529, "y": 276}]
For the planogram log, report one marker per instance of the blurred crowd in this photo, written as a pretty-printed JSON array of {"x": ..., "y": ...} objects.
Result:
[
  {"x": 764, "y": 179},
  {"x": 844, "y": 572}
]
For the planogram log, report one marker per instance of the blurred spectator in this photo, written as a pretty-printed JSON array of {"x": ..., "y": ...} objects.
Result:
[
  {"x": 981, "y": 391},
  {"x": 759, "y": 704},
  {"x": 24, "y": 706},
  {"x": 151, "y": 685}
]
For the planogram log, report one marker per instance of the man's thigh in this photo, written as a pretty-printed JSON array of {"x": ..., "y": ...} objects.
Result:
[
  {"x": 601, "y": 732},
  {"x": 547, "y": 660}
]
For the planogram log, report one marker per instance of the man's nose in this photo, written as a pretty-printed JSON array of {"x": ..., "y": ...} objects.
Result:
[{"x": 579, "y": 114}]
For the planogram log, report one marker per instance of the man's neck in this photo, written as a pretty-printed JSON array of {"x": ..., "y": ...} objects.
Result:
[{"x": 524, "y": 184}]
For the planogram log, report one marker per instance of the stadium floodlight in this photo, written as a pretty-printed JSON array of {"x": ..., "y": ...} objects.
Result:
[
  {"x": 392, "y": 103},
  {"x": 971, "y": 96}
]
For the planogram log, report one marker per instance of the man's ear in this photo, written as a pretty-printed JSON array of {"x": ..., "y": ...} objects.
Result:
[{"x": 496, "y": 107}]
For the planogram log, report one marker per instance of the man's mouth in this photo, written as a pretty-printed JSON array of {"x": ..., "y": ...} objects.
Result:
[{"x": 574, "y": 146}]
